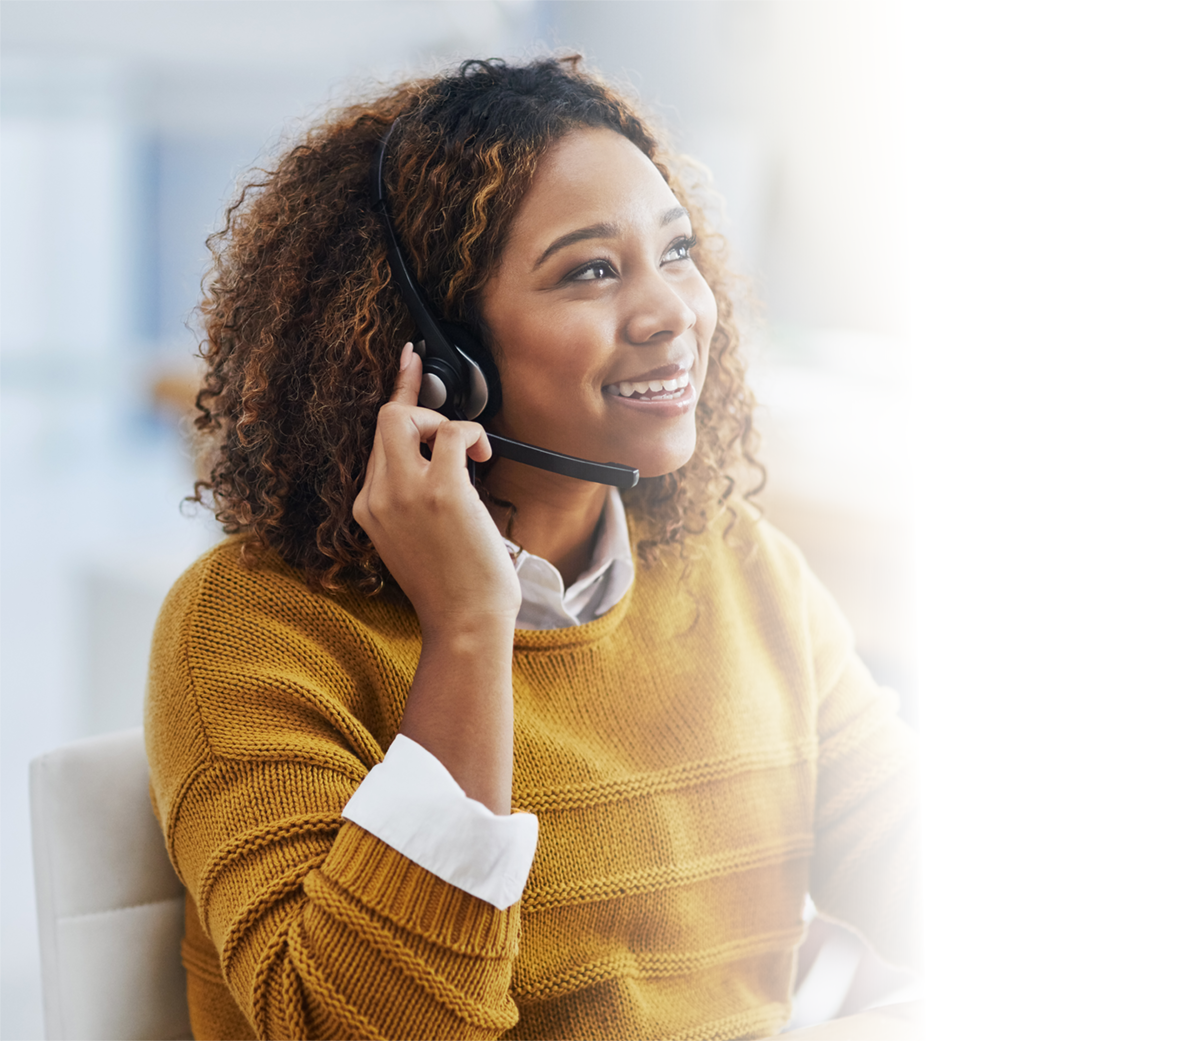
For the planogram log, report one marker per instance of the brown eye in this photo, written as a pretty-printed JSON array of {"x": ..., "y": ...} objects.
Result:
[
  {"x": 593, "y": 271},
  {"x": 680, "y": 249}
]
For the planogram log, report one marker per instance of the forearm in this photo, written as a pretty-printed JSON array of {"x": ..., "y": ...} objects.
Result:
[
  {"x": 460, "y": 706},
  {"x": 372, "y": 945},
  {"x": 323, "y": 930}
]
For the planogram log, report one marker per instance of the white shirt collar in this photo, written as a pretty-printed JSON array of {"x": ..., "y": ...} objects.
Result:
[{"x": 545, "y": 604}]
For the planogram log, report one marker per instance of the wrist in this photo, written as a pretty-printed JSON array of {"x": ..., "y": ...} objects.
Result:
[{"x": 477, "y": 634}]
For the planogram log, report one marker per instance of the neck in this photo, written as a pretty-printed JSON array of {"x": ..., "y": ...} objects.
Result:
[{"x": 555, "y": 517}]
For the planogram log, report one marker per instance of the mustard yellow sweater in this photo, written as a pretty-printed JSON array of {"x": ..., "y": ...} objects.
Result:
[{"x": 698, "y": 758}]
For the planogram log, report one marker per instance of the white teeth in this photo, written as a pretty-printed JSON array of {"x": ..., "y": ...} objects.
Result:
[{"x": 627, "y": 388}]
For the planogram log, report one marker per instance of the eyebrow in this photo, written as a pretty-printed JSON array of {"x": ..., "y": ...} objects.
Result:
[
  {"x": 593, "y": 231},
  {"x": 600, "y": 231}
]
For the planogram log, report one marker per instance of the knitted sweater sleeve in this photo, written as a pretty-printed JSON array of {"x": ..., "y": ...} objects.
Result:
[
  {"x": 866, "y": 863},
  {"x": 321, "y": 929}
]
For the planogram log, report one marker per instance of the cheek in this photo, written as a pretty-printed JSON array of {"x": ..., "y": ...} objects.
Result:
[
  {"x": 559, "y": 351},
  {"x": 548, "y": 372},
  {"x": 705, "y": 308}
]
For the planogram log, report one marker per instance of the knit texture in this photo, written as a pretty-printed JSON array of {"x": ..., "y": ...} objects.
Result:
[{"x": 698, "y": 758}]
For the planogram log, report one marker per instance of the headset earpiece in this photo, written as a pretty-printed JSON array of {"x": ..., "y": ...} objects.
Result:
[
  {"x": 482, "y": 399},
  {"x": 444, "y": 389}
]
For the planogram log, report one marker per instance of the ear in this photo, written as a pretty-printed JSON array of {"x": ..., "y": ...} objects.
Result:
[{"x": 471, "y": 345}]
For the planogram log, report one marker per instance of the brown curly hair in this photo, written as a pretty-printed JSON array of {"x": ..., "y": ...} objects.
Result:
[{"x": 302, "y": 333}]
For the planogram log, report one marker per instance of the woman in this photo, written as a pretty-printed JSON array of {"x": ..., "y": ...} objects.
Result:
[{"x": 431, "y": 759}]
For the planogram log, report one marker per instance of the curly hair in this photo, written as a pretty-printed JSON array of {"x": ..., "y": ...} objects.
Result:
[{"x": 302, "y": 333}]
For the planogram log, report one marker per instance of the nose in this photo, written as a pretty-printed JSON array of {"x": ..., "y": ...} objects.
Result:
[{"x": 657, "y": 311}]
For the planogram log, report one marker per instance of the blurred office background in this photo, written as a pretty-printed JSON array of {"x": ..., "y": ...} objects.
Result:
[{"x": 125, "y": 126}]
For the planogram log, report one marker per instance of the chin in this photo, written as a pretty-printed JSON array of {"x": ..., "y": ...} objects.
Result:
[{"x": 666, "y": 460}]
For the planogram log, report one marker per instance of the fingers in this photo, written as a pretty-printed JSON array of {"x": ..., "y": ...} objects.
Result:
[
  {"x": 401, "y": 431},
  {"x": 408, "y": 379},
  {"x": 452, "y": 443},
  {"x": 481, "y": 449},
  {"x": 410, "y": 425}
]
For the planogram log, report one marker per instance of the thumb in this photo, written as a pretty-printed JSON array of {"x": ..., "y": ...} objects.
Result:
[{"x": 408, "y": 379}]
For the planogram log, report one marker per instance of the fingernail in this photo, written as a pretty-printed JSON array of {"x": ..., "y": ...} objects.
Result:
[{"x": 406, "y": 355}]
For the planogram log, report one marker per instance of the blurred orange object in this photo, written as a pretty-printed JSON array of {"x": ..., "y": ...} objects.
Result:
[
  {"x": 176, "y": 391},
  {"x": 173, "y": 392}
]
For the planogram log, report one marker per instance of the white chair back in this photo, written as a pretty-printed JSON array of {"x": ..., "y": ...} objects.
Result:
[{"x": 110, "y": 908}]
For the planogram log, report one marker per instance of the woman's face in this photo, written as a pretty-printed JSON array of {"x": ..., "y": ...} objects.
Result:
[{"x": 600, "y": 320}]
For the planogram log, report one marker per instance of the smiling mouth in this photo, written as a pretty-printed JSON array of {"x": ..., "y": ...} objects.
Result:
[{"x": 651, "y": 390}]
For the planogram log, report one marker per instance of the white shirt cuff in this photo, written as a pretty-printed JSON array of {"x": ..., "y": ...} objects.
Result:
[{"x": 411, "y": 802}]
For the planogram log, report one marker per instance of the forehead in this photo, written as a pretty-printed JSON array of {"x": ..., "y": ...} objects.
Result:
[{"x": 591, "y": 176}]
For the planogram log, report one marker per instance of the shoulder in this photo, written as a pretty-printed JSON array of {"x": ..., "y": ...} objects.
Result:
[
  {"x": 744, "y": 542},
  {"x": 737, "y": 545},
  {"x": 227, "y": 613},
  {"x": 750, "y": 562},
  {"x": 266, "y": 599},
  {"x": 249, "y": 661},
  {"x": 222, "y": 581}
]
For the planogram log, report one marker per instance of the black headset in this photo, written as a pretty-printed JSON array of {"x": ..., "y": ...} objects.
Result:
[{"x": 460, "y": 378}]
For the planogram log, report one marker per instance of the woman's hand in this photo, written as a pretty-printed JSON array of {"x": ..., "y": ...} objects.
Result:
[
  {"x": 426, "y": 520},
  {"x": 440, "y": 544}
]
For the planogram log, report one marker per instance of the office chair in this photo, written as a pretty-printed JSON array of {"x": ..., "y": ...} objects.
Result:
[{"x": 109, "y": 906}]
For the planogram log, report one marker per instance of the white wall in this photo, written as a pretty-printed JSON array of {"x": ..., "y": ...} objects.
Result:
[{"x": 1055, "y": 214}]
